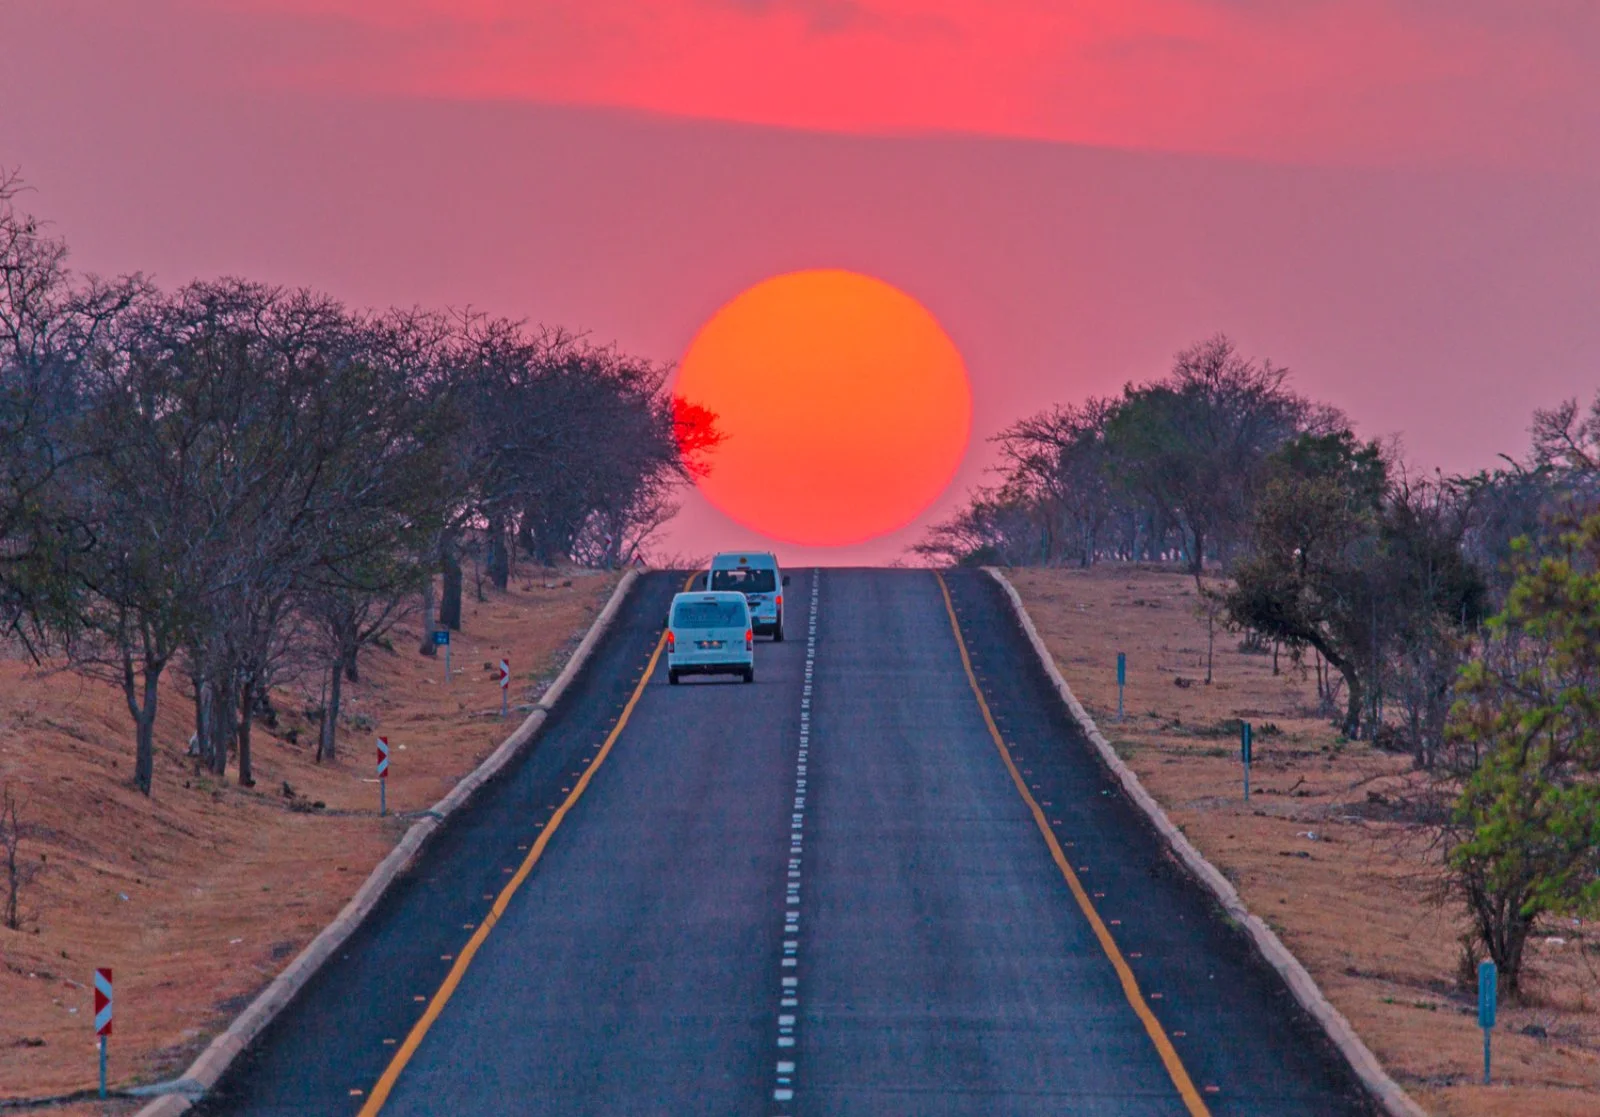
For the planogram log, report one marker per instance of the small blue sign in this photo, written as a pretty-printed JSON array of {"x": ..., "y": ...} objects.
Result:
[
  {"x": 1247, "y": 739},
  {"x": 441, "y": 638},
  {"x": 1488, "y": 989},
  {"x": 1122, "y": 668}
]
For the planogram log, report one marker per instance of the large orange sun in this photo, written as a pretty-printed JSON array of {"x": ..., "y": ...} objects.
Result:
[{"x": 844, "y": 407}]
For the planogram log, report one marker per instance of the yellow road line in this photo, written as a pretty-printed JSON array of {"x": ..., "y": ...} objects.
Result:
[
  {"x": 402, "y": 1056},
  {"x": 1130, "y": 987}
]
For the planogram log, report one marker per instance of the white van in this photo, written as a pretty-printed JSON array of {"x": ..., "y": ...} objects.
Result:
[
  {"x": 709, "y": 634},
  {"x": 756, "y": 575}
]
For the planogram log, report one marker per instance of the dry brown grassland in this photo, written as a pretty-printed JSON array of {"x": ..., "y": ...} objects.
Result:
[
  {"x": 1325, "y": 851},
  {"x": 200, "y": 894}
]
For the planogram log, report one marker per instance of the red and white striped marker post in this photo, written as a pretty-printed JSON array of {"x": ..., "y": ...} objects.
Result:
[
  {"x": 505, "y": 685},
  {"x": 102, "y": 1018},
  {"x": 383, "y": 776}
]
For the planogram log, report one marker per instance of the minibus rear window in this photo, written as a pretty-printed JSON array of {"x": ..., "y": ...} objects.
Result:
[
  {"x": 745, "y": 579},
  {"x": 709, "y": 614}
]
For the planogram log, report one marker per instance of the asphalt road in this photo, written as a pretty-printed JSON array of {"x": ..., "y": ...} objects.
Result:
[{"x": 821, "y": 894}]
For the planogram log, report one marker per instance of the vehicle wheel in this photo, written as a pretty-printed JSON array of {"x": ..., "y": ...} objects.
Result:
[
  {"x": 777, "y": 633},
  {"x": 672, "y": 677},
  {"x": 749, "y": 674}
]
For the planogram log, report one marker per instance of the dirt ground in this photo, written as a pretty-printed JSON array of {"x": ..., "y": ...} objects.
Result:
[
  {"x": 197, "y": 896},
  {"x": 1324, "y": 851}
]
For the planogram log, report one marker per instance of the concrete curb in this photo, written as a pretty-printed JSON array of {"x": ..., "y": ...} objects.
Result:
[
  {"x": 1384, "y": 1089},
  {"x": 174, "y": 1097}
]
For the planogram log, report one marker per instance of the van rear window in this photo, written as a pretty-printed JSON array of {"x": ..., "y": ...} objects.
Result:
[
  {"x": 744, "y": 579},
  {"x": 709, "y": 614}
]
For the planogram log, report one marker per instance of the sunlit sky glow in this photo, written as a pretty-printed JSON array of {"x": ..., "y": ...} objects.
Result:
[
  {"x": 1398, "y": 199},
  {"x": 1305, "y": 80}
]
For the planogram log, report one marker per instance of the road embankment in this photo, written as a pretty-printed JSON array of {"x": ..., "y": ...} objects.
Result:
[
  {"x": 1327, "y": 852},
  {"x": 200, "y": 896}
]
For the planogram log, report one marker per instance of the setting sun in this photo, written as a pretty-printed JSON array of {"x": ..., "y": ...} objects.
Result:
[{"x": 843, "y": 403}]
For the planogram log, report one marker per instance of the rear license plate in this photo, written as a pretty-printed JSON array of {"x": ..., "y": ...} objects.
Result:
[{"x": 708, "y": 644}]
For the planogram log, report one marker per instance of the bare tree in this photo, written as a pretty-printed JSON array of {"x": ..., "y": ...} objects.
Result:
[
  {"x": 572, "y": 449},
  {"x": 1060, "y": 457},
  {"x": 1434, "y": 599},
  {"x": 1196, "y": 444},
  {"x": 51, "y": 321},
  {"x": 996, "y": 527},
  {"x": 1176, "y": 464},
  {"x": 204, "y": 477},
  {"x": 243, "y": 438},
  {"x": 19, "y": 873},
  {"x": 351, "y": 618},
  {"x": 1567, "y": 438}
]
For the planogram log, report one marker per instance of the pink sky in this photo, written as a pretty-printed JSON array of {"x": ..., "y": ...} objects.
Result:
[
  {"x": 1318, "y": 81},
  {"x": 1397, "y": 199}
]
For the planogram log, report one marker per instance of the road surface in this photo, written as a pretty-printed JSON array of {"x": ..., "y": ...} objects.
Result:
[{"x": 828, "y": 893}]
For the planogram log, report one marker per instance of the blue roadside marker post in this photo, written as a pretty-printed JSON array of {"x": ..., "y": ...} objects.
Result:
[
  {"x": 1246, "y": 749},
  {"x": 1122, "y": 680},
  {"x": 441, "y": 639},
  {"x": 1488, "y": 990}
]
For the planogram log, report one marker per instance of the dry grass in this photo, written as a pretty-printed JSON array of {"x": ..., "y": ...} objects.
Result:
[
  {"x": 198, "y": 895},
  {"x": 1355, "y": 903}
]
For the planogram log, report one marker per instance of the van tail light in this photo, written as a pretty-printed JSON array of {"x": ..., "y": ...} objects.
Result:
[
  {"x": 672, "y": 642},
  {"x": 749, "y": 640},
  {"x": 780, "y": 601}
]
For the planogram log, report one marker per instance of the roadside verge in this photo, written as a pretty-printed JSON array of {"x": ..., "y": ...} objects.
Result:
[
  {"x": 178, "y": 1095},
  {"x": 1384, "y": 1090}
]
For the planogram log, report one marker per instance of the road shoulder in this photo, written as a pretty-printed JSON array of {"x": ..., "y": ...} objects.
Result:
[
  {"x": 1365, "y": 1065},
  {"x": 1324, "y": 855},
  {"x": 178, "y": 1095}
]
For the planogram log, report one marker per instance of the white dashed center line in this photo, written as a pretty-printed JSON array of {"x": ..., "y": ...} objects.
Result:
[{"x": 789, "y": 988}]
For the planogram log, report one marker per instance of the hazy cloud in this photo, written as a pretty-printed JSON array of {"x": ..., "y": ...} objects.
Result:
[
  {"x": 821, "y": 17},
  {"x": 1482, "y": 81}
]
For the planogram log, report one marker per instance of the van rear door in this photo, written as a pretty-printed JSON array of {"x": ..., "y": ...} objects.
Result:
[{"x": 710, "y": 630}]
